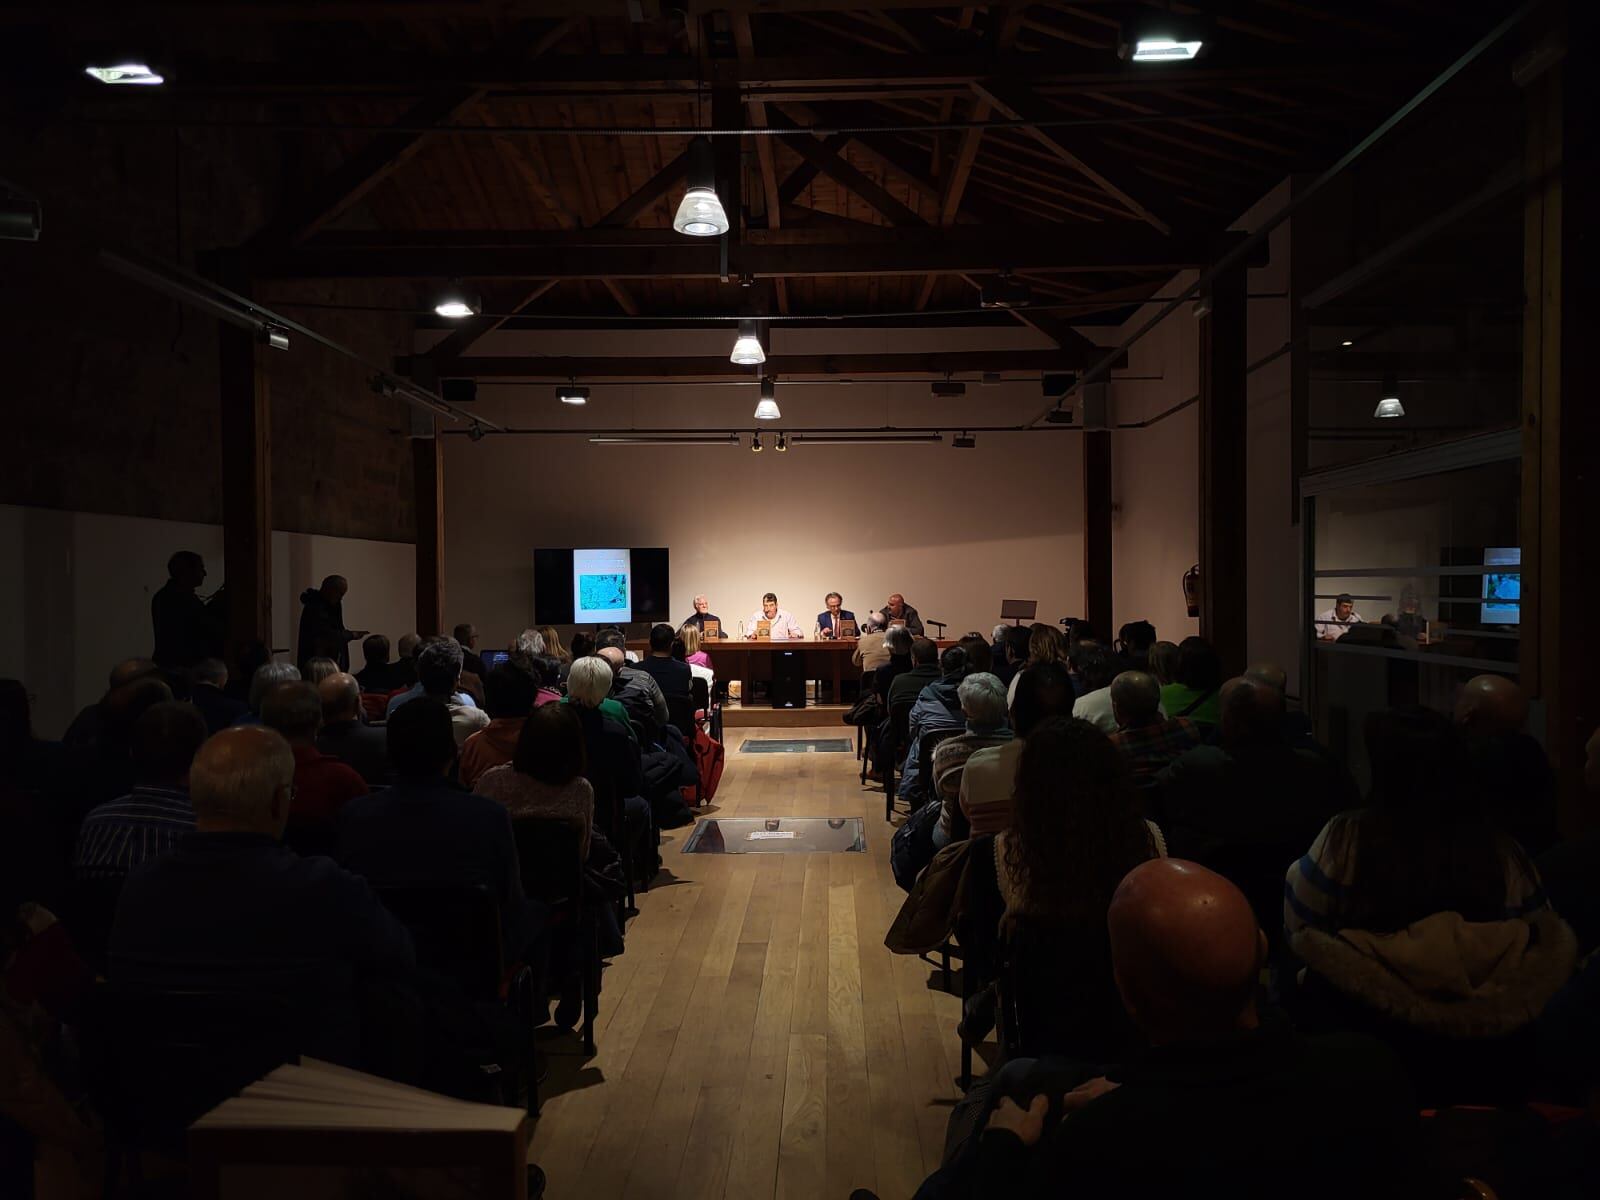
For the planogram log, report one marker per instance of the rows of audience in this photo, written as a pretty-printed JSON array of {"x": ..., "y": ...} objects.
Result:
[
  {"x": 1213, "y": 964},
  {"x": 195, "y": 830}
]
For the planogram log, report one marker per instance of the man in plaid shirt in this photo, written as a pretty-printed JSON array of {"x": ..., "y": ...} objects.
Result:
[{"x": 1147, "y": 737}]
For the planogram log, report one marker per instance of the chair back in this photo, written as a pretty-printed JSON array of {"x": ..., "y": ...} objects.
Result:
[
  {"x": 700, "y": 693},
  {"x": 681, "y": 710},
  {"x": 549, "y": 853},
  {"x": 899, "y": 727},
  {"x": 456, "y": 931}
]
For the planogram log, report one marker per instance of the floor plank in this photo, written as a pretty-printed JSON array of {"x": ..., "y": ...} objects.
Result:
[{"x": 756, "y": 1039}]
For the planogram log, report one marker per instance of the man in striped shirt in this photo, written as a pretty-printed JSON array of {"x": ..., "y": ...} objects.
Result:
[{"x": 149, "y": 820}]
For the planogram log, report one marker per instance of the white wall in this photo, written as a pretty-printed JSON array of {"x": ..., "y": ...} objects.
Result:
[
  {"x": 76, "y": 599},
  {"x": 956, "y": 531}
]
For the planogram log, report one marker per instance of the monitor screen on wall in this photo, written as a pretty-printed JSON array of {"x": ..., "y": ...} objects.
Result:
[
  {"x": 599, "y": 585},
  {"x": 1502, "y": 590}
]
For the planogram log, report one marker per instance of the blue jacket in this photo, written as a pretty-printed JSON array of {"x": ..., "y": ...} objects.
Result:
[{"x": 825, "y": 620}]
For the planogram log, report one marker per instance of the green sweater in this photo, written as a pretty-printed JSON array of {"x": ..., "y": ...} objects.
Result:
[{"x": 1176, "y": 699}]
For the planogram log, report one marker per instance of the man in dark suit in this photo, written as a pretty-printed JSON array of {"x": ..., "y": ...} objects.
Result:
[
  {"x": 186, "y": 629},
  {"x": 828, "y": 622},
  {"x": 702, "y": 613},
  {"x": 344, "y": 736},
  {"x": 232, "y": 908},
  {"x": 427, "y": 830},
  {"x": 206, "y": 681}
]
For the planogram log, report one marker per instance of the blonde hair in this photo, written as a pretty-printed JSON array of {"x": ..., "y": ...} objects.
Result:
[
  {"x": 552, "y": 644},
  {"x": 691, "y": 639},
  {"x": 1046, "y": 644},
  {"x": 589, "y": 682}
]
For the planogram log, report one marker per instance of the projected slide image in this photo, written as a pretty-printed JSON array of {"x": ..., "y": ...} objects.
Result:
[
  {"x": 602, "y": 591},
  {"x": 602, "y": 587},
  {"x": 1502, "y": 590}
]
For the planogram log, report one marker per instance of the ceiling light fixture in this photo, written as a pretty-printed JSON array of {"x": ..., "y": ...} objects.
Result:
[
  {"x": 457, "y": 302},
  {"x": 275, "y": 336},
  {"x": 20, "y": 216},
  {"x": 755, "y": 443},
  {"x": 964, "y": 441},
  {"x": 1164, "y": 49},
  {"x": 767, "y": 409},
  {"x": 782, "y": 444},
  {"x": 1163, "y": 37},
  {"x": 572, "y": 392},
  {"x": 747, "y": 348},
  {"x": 1347, "y": 342},
  {"x": 700, "y": 213},
  {"x": 126, "y": 73},
  {"x": 1389, "y": 405}
]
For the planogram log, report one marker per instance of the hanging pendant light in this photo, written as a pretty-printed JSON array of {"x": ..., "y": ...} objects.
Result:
[
  {"x": 457, "y": 302},
  {"x": 747, "y": 349},
  {"x": 700, "y": 213},
  {"x": 1389, "y": 405},
  {"x": 767, "y": 409}
]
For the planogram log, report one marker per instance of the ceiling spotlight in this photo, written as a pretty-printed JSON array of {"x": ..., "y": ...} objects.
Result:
[
  {"x": 1163, "y": 37},
  {"x": 700, "y": 213},
  {"x": 782, "y": 443},
  {"x": 1389, "y": 405},
  {"x": 948, "y": 388},
  {"x": 747, "y": 348},
  {"x": 964, "y": 441},
  {"x": 767, "y": 409},
  {"x": 572, "y": 392},
  {"x": 1164, "y": 49},
  {"x": 273, "y": 335},
  {"x": 126, "y": 73},
  {"x": 457, "y": 302},
  {"x": 755, "y": 443},
  {"x": 1347, "y": 342},
  {"x": 19, "y": 217},
  {"x": 475, "y": 432}
]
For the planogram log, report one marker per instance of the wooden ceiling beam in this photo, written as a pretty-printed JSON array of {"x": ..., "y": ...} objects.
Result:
[
  {"x": 535, "y": 367},
  {"x": 799, "y": 179},
  {"x": 832, "y": 164}
]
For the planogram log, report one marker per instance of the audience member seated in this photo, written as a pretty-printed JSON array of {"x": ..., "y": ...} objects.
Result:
[
  {"x": 104, "y": 767},
  {"x": 698, "y": 660},
  {"x": 612, "y": 755},
  {"x": 466, "y": 636},
  {"x": 267, "y": 676},
  {"x": 406, "y": 658},
  {"x": 510, "y": 694},
  {"x": 318, "y": 669},
  {"x": 1046, "y": 644},
  {"x": 1164, "y": 662},
  {"x": 1011, "y": 653},
  {"x": 672, "y": 675},
  {"x": 379, "y": 676},
  {"x": 527, "y": 651},
  {"x": 1571, "y": 870},
  {"x": 983, "y": 704},
  {"x": 207, "y": 680},
  {"x": 252, "y": 656},
  {"x": 639, "y": 694},
  {"x": 1421, "y": 922},
  {"x": 439, "y": 676},
  {"x": 897, "y": 644},
  {"x": 986, "y": 781},
  {"x": 322, "y": 783},
  {"x": 1097, "y": 667},
  {"x": 1134, "y": 642},
  {"x": 1247, "y": 806},
  {"x": 86, "y": 726},
  {"x": 1228, "y": 1101},
  {"x": 231, "y": 909},
  {"x": 428, "y": 830},
  {"x": 28, "y": 764},
  {"x": 582, "y": 646},
  {"x": 149, "y": 820},
  {"x": 552, "y": 645},
  {"x": 908, "y": 685},
  {"x": 1196, "y": 684},
  {"x": 997, "y": 650},
  {"x": 343, "y": 734},
  {"x": 544, "y": 777},
  {"x": 1515, "y": 776},
  {"x": 938, "y": 706},
  {"x": 979, "y": 657},
  {"x": 1147, "y": 739}
]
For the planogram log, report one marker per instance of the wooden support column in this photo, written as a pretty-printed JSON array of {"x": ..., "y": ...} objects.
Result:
[
  {"x": 1224, "y": 620},
  {"x": 1561, "y": 422},
  {"x": 1097, "y": 531},
  {"x": 246, "y": 427},
  {"x": 727, "y": 112},
  {"x": 427, "y": 477}
]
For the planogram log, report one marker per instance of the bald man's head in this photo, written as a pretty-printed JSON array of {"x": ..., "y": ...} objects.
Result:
[
  {"x": 1135, "y": 699},
  {"x": 1251, "y": 709},
  {"x": 130, "y": 669},
  {"x": 1489, "y": 705},
  {"x": 614, "y": 657},
  {"x": 1269, "y": 673},
  {"x": 341, "y": 698},
  {"x": 241, "y": 781},
  {"x": 1186, "y": 951}
]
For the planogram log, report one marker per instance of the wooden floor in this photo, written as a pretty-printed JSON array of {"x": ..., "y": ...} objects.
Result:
[{"x": 757, "y": 1039}]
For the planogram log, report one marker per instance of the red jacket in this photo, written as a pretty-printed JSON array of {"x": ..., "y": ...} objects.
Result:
[{"x": 322, "y": 783}]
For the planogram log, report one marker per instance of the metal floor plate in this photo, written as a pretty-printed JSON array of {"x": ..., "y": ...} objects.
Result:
[
  {"x": 797, "y": 746},
  {"x": 777, "y": 835}
]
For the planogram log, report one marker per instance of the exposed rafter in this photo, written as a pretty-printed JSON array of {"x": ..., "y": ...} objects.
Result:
[{"x": 536, "y": 367}]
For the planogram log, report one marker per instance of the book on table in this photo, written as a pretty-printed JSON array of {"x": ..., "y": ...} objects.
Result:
[{"x": 312, "y": 1130}]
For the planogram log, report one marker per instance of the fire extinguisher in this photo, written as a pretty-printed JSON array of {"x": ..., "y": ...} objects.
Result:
[{"x": 1191, "y": 590}]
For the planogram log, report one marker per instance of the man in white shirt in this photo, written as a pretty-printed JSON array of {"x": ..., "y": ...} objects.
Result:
[
  {"x": 782, "y": 623},
  {"x": 1336, "y": 621}
]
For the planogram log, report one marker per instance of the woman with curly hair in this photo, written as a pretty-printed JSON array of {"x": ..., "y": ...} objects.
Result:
[{"x": 1046, "y": 644}]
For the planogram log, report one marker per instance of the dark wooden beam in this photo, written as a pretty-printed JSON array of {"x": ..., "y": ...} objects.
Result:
[
  {"x": 824, "y": 251},
  {"x": 1224, "y": 615},
  {"x": 1016, "y": 102},
  {"x": 799, "y": 179},
  {"x": 832, "y": 164},
  {"x": 245, "y": 406},
  {"x": 537, "y": 367},
  {"x": 1097, "y": 531}
]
